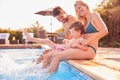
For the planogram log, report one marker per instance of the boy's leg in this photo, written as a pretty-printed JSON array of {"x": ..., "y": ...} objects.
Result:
[
  {"x": 38, "y": 60},
  {"x": 47, "y": 58},
  {"x": 68, "y": 54}
]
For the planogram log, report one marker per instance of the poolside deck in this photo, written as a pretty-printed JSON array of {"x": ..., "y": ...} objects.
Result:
[
  {"x": 19, "y": 46},
  {"x": 105, "y": 66}
]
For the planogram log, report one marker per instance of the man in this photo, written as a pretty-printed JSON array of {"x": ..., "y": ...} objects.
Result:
[{"x": 66, "y": 19}]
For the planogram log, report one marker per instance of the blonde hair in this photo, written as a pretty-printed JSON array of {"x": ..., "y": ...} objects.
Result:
[
  {"x": 85, "y": 3},
  {"x": 80, "y": 18},
  {"x": 80, "y": 2}
]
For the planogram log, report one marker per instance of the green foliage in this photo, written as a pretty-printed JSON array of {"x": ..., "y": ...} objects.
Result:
[
  {"x": 4, "y": 30},
  {"x": 34, "y": 30},
  {"x": 110, "y": 14},
  {"x": 60, "y": 30},
  {"x": 17, "y": 34},
  {"x": 116, "y": 44}
]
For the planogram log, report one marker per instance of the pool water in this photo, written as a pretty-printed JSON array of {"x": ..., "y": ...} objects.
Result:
[{"x": 35, "y": 72}]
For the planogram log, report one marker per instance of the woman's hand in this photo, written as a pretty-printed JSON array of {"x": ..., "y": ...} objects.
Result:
[
  {"x": 75, "y": 45},
  {"x": 68, "y": 46},
  {"x": 72, "y": 44},
  {"x": 81, "y": 41}
]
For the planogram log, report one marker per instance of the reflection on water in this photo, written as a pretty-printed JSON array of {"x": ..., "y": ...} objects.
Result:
[
  {"x": 33, "y": 73},
  {"x": 16, "y": 64}
]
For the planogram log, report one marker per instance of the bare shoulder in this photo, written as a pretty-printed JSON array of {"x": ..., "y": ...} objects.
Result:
[
  {"x": 97, "y": 21},
  {"x": 71, "y": 18},
  {"x": 95, "y": 16}
]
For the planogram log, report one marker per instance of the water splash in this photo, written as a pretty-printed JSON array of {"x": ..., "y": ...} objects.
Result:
[{"x": 26, "y": 71}]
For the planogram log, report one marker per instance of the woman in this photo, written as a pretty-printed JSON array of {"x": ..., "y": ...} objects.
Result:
[{"x": 95, "y": 29}]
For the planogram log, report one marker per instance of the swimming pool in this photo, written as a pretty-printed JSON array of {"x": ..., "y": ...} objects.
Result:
[{"x": 21, "y": 56}]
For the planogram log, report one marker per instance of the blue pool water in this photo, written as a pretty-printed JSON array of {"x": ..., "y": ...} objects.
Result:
[{"x": 20, "y": 56}]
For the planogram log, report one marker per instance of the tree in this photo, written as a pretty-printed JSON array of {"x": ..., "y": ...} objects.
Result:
[
  {"x": 110, "y": 13},
  {"x": 34, "y": 28},
  {"x": 60, "y": 30}
]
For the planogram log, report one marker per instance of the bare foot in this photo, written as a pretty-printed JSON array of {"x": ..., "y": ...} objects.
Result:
[
  {"x": 38, "y": 60},
  {"x": 45, "y": 62},
  {"x": 52, "y": 70}
]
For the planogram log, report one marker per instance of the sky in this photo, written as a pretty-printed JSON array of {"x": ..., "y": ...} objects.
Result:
[{"x": 17, "y": 14}]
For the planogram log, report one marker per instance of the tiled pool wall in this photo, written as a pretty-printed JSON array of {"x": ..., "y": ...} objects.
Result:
[
  {"x": 77, "y": 72},
  {"x": 68, "y": 72}
]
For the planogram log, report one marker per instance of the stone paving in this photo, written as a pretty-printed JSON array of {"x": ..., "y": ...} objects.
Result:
[{"x": 105, "y": 66}]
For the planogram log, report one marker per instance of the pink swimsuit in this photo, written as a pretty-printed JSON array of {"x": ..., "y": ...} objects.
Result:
[{"x": 59, "y": 48}]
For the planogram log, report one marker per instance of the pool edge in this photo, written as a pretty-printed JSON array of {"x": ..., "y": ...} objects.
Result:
[
  {"x": 105, "y": 66},
  {"x": 85, "y": 71}
]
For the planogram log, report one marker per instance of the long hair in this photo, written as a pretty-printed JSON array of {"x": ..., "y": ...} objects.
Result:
[{"x": 82, "y": 19}]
